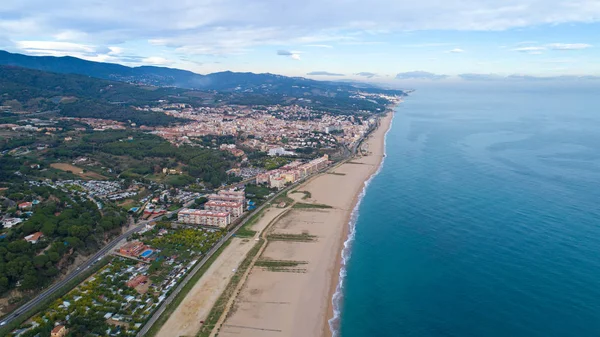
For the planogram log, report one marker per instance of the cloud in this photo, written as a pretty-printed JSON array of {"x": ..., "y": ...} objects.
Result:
[
  {"x": 319, "y": 46},
  {"x": 323, "y": 73},
  {"x": 426, "y": 45},
  {"x": 455, "y": 50},
  {"x": 536, "y": 50},
  {"x": 569, "y": 46},
  {"x": 235, "y": 26},
  {"x": 292, "y": 54},
  {"x": 419, "y": 75},
  {"x": 520, "y": 77},
  {"x": 209, "y": 28},
  {"x": 366, "y": 74},
  {"x": 54, "y": 47},
  {"x": 530, "y": 50},
  {"x": 156, "y": 60},
  {"x": 480, "y": 77}
]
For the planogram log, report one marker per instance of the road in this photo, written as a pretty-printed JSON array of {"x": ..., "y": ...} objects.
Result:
[
  {"x": 91, "y": 261},
  {"x": 106, "y": 249},
  {"x": 210, "y": 253}
]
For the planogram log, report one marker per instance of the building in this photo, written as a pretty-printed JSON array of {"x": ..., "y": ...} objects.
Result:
[
  {"x": 229, "y": 195},
  {"x": 333, "y": 128},
  {"x": 25, "y": 205},
  {"x": 279, "y": 151},
  {"x": 292, "y": 172},
  {"x": 204, "y": 217},
  {"x": 10, "y": 222},
  {"x": 136, "y": 281},
  {"x": 235, "y": 208},
  {"x": 277, "y": 182},
  {"x": 34, "y": 238},
  {"x": 133, "y": 248},
  {"x": 263, "y": 178},
  {"x": 170, "y": 171},
  {"x": 59, "y": 331}
]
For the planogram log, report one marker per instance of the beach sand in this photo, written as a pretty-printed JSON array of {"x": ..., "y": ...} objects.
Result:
[
  {"x": 297, "y": 301},
  {"x": 195, "y": 307}
]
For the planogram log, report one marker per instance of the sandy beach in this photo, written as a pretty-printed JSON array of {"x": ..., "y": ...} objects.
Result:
[
  {"x": 186, "y": 319},
  {"x": 289, "y": 291}
]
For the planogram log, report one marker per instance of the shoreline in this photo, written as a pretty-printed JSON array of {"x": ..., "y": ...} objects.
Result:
[
  {"x": 332, "y": 322},
  {"x": 303, "y": 252}
]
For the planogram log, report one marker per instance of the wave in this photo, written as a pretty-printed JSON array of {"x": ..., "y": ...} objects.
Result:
[{"x": 338, "y": 295}]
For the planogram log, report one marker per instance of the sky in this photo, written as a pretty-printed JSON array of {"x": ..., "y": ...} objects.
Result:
[{"x": 374, "y": 40}]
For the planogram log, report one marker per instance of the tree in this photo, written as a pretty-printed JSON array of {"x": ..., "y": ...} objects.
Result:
[
  {"x": 30, "y": 281},
  {"x": 40, "y": 261}
]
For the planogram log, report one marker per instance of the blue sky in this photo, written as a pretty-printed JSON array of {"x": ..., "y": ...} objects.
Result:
[{"x": 377, "y": 40}]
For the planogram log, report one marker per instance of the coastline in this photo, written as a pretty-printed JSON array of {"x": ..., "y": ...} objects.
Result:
[
  {"x": 377, "y": 137},
  {"x": 297, "y": 300}
]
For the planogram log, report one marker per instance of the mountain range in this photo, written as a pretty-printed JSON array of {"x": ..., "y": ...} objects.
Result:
[{"x": 170, "y": 77}]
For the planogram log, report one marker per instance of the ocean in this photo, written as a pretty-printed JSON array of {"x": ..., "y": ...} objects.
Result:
[{"x": 484, "y": 219}]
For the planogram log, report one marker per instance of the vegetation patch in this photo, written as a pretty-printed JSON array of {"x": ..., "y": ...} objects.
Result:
[
  {"x": 184, "y": 291},
  {"x": 301, "y": 205},
  {"x": 281, "y": 265},
  {"x": 337, "y": 173},
  {"x": 304, "y": 237},
  {"x": 245, "y": 231},
  {"x": 78, "y": 171},
  {"x": 283, "y": 198},
  {"x": 307, "y": 194},
  {"x": 5, "y": 330}
]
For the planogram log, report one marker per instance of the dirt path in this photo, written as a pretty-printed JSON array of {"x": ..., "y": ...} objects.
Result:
[
  {"x": 185, "y": 320},
  {"x": 241, "y": 284}
]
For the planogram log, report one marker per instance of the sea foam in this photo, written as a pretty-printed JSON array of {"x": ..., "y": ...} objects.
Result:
[{"x": 338, "y": 295}]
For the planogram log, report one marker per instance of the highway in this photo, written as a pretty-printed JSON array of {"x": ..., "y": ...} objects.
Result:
[{"x": 91, "y": 261}]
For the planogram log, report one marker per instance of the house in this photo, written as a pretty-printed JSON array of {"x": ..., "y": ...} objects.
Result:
[
  {"x": 59, "y": 331},
  {"x": 34, "y": 238},
  {"x": 136, "y": 281},
  {"x": 25, "y": 205},
  {"x": 10, "y": 222},
  {"x": 133, "y": 248},
  {"x": 170, "y": 171}
]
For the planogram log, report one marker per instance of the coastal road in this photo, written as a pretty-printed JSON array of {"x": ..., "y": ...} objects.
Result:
[{"x": 91, "y": 261}]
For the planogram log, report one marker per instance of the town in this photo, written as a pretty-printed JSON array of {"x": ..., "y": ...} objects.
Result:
[{"x": 103, "y": 219}]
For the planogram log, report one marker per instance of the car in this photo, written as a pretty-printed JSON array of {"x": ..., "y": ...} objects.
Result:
[{"x": 2, "y": 323}]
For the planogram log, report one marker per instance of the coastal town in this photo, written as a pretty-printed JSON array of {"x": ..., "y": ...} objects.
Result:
[{"x": 105, "y": 221}]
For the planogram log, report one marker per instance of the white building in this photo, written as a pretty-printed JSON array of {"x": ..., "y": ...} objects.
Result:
[
  {"x": 279, "y": 151},
  {"x": 204, "y": 217},
  {"x": 229, "y": 195},
  {"x": 235, "y": 208}
]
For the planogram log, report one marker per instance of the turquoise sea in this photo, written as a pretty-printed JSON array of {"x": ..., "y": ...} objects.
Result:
[{"x": 484, "y": 219}]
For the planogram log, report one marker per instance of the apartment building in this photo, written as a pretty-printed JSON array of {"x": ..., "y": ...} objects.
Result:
[
  {"x": 235, "y": 208},
  {"x": 204, "y": 217}
]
